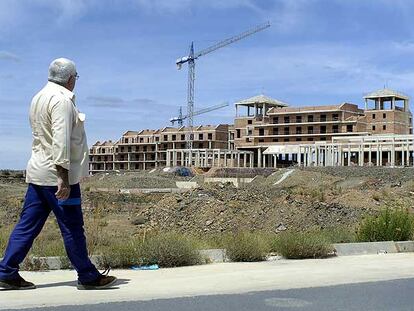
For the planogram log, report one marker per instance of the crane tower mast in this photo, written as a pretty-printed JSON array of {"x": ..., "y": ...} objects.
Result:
[{"x": 190, "y": 59}]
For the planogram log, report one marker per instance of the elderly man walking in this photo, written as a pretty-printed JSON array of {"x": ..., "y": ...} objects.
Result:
[{"x": 59, "y": 160}]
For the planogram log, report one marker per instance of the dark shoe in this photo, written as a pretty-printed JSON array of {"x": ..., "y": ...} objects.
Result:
[
  {"x": 102, "y": 282},
  {"x": 16, "y": 284}
]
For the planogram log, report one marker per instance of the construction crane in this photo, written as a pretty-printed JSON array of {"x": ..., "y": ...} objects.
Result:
[
  {"x": 180, "y": 119},
  {"x": 190, "y": 59}
]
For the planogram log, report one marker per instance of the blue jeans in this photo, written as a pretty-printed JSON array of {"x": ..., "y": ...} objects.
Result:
[{"x": 39, "y": 202}]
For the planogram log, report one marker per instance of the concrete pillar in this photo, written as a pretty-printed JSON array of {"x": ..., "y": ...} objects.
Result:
[
  {"x": 167, "y": 159},
  {"x": 380, "y": 155},
  {"x": 317, "y": 155},
  {"x": 259, "y": 157},
  {"x": 369, "y": 154},
  {"x": 144, "y": 166},
  {"x": 349, "y": 155},
  {"x": 251, "y": 159},
  {"x": 238, "y": 159}
]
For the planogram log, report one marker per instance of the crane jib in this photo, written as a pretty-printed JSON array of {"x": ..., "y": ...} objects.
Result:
[{"x": 190, "y": 59}]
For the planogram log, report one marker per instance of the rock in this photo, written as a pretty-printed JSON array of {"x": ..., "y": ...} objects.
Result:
[
  {"x": 281, "y": 227},
  {"x": 139, "y": 221},
  {"x": 209, "y": 222}
]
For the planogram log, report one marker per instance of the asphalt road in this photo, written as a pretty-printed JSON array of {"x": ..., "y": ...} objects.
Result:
[{"x": 378, "y": 296}]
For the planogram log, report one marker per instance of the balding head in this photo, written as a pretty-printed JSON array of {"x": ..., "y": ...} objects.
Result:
[{"x": 61, "y": 69}]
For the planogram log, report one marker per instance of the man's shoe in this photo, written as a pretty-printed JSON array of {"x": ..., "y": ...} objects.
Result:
[
  {"x": 102, "y": 282},
  {"x": 16, "y": 284}
]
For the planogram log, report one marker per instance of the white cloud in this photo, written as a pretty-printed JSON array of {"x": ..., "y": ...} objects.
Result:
[{"x": 8, "y": 56}]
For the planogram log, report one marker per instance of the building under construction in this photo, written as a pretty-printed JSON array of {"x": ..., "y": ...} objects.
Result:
[{"x": 270, "y": 133}]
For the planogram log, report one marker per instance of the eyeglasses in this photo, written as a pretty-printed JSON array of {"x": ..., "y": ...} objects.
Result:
[{"x": 76, "y": 76}]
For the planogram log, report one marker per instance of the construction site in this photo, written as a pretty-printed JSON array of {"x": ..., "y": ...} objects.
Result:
[
  {"x": 272, "y": 134},
  {"x": 276, "y": 167},
  {"x": 267, "y": 132}
]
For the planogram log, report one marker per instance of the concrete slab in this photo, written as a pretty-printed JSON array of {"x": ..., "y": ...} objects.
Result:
[
  {"x": 214, "y": 255},
  {"x": 405, "y": 246},
  {"x": 57, "y": 288},
  {"x": 368, "y": 248},
  {"x": 237, "y": 182},
  {"x": 186, "y": 184}
]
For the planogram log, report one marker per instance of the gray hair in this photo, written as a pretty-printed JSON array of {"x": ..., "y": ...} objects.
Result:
[{"x": 61, "y": 69}]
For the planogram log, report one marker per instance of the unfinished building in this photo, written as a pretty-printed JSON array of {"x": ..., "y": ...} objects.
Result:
[
  {"x": 270, "y": 133},
  {"x": 147, "y": 149}
]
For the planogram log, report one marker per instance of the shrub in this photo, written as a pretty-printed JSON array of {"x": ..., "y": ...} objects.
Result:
[
  {"x": 295, "y": 245},
  {"x": 122, "y": 254},
  {"x": 169, "y": 250},
  {"x": 246, "y": 247},
  {"x": 390, "y": 225},
  {"x": 339, "y": 234}
]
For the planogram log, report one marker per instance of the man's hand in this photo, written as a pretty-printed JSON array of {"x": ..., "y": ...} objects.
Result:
[{"x": 63, "y": 191}]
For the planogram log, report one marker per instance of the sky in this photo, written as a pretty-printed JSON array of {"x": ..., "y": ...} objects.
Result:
[{"x": 316, "y": 52}]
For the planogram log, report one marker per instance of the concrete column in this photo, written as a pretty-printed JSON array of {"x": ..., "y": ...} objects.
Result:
[
  {"x": 174, "y": 157},
  {"x": 380, "y": 155},
  {"x": 317, "y": 155},
  {"x": 219, "y": 158},
  {"x": 402, "y": 155},
  {"x": 238, "y": 159},
  {"x": 349, "y": 155},
  {"x": 145, "y": 161},
  {"x": 167, "y": 160},
  {"x": 129, "y": 161},
  {"x": 259, "y": 157},
  {"x": 298, "y": 157},
  {"x": 251, "y": 159},
  {"x": 310, "y": 156}
]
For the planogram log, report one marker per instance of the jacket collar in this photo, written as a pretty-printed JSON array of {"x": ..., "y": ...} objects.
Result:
[{"x": 62, "y": 90}]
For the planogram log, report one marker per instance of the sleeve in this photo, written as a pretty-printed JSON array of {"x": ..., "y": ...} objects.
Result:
[{"x": 61, "y": 123}]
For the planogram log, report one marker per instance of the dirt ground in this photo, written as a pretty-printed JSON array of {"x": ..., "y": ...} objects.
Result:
[{"x": 307, "y": 198}]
